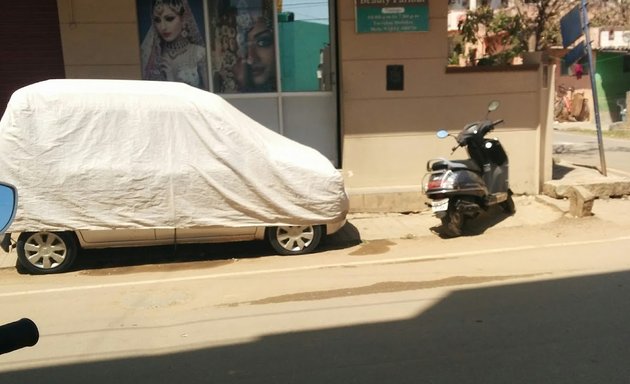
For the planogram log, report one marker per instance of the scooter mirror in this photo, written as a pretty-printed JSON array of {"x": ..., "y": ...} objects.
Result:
[
  {"x": 8, "y": 205},
  {"x": 493, "y": 106},
  {"x": 442, "y": 134}
]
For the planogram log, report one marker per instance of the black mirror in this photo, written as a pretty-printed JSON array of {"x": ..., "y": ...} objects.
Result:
[{"x": 8, "y": 205}]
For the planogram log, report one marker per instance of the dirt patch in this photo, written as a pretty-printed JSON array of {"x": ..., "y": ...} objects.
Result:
[
  {"x": 376, "y": 247},
  {"x": 383, "y": 287},
  {"x": 167, "y": 267}
]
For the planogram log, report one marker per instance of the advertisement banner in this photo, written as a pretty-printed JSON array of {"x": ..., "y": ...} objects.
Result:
[
  {"x": 172, "y": 37},
  {"x": 377, "y": 16},
  {"x": 243, "y": 49}
]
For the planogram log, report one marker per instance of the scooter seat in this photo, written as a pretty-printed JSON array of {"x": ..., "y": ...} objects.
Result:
[{"x": 455, "y": 165}]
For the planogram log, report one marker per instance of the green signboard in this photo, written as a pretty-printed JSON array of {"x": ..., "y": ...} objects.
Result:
[{"x": 375, "y": 16}]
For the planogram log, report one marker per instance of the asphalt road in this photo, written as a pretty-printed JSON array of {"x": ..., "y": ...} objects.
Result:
[
  {"x": 583, "y": 149},
  {"x": 533, "y": 303},
  {"x": 543, "y": 303}
]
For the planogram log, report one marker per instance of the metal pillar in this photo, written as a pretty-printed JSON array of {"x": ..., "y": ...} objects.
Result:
[{"x": 591, "y": 65}]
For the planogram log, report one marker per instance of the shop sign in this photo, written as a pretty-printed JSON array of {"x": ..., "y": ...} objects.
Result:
[{"x": 374, "y": 16}]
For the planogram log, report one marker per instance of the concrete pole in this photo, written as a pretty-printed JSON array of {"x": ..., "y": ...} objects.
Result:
[{"x": 473, "y": 5}]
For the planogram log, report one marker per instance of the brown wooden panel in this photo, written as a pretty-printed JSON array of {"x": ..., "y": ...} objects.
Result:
[{"x": 31, "y": 45}]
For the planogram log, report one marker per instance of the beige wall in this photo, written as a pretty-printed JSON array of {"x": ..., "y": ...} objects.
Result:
[
  {"x": 387, "y": 137},
  {"x": 390, "y": 135},
  {"x": 100, "y": 38}
]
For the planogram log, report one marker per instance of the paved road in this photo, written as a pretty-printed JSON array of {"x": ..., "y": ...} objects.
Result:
[
  {"x": 538, "y": 302},
  {"x": 584, "y": 149},
  {"x": 544, "y": 303}
]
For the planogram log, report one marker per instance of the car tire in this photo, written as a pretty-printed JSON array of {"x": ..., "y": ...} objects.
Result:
[
  {"x": 294, "y": 240},
  {"x": 41, "y": 253}
]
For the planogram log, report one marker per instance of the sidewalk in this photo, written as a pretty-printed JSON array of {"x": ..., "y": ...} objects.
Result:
[
  {"x": 530, "y": 210},
  {"x": 548, "y": 207}
]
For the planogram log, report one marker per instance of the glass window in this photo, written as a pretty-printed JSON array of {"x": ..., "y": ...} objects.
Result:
[
  {"x": 304, "y": 40},
  {"x": 242, "y": 41}
]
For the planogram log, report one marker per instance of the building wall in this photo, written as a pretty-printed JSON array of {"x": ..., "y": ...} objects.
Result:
[
  {"x": 31, "y": 45},
  {"x": 612, "y": 84},
  {"x": 611, "y": 80},
  {"x": 100, "y": 38},
  {"x": 566, "y": 80},
  {"x": 388, "y": 136}
]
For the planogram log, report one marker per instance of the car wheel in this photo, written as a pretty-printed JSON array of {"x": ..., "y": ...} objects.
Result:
[
  {"x": 46, "y": 252},
  {"x": 294, "y": 240}
]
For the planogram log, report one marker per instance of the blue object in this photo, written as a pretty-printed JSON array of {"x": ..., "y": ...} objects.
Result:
[
  {"x": 571, "y": 27},
  {"x": 575, "y": 54},
  {"x": 8, "y": 205}
]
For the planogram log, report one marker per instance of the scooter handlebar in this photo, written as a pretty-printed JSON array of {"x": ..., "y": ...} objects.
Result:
[
  {"x": 18, "y": 334},
  {"x": 489, "y": 127}
]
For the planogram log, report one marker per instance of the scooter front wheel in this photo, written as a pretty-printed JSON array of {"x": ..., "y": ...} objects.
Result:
[{"x": 453, "y": 221}]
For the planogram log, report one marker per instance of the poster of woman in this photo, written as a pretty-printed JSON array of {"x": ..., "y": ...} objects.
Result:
[
  {"x": 172, "y": 41},
  {"x": 243, "y": 51}
]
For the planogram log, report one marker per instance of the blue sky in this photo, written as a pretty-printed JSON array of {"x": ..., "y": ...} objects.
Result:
[{"x": 307, "y": 10}]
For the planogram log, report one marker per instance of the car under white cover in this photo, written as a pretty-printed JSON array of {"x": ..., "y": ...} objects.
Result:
[{"x": 156, "y": 158}]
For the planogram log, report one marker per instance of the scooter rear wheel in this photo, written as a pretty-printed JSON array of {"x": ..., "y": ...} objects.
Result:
[
  {"x": 508, "y": 205},
  {"x": 453, "y": 221}
]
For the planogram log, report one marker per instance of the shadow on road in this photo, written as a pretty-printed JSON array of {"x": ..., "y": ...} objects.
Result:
[
  {"x": 559, "y": 171},
  {"x": 477, "y": 226},
  {"x": 572, "y": 331}
]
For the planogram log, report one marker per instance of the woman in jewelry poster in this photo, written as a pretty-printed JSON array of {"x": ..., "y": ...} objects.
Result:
[
  {"x": 173, "y": 46},
  {"x": 243, "y": 51}
]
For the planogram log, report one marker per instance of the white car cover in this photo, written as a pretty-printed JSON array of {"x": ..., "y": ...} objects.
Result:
[{"x": 113, "y": 154}]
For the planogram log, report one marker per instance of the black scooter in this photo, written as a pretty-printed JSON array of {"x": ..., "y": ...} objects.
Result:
[{"x": 460, "y": 189}]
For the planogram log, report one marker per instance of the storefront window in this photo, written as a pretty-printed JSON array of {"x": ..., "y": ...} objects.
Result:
[
  {"x": 173, "y": 47},
  {"x": 254, "y": 46},
  {"x": 243, "y": 54},
  {"x": 304, "y": 36}
]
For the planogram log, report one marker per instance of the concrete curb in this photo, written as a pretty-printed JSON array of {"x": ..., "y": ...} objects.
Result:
[{"x": 570, "y": 175}]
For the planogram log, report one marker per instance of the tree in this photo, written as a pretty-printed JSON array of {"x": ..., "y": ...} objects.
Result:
[
  {"x": 542, "y": 19},
  {"x": 501, "y": 33},
  {"x": 534, "y": 24},
  {"x": 611, "y": 14}
]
